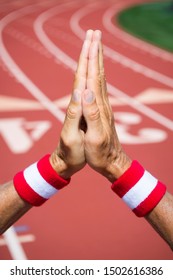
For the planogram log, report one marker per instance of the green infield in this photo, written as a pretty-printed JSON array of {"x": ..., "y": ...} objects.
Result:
[{"x": 152, "y": 22}]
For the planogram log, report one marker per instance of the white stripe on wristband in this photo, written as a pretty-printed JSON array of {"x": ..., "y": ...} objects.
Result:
[
  {"x": 139, "y": 189},
  {"x": 38, "y": 182}
]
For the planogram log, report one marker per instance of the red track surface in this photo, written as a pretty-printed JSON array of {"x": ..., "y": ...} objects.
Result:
[{"x": 86, "y": 220}]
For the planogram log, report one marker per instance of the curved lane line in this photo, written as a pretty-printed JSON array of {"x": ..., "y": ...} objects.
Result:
[
  {"x": 118, "y": 32},
  {"x": 47, "y": 43},
  {"x": 15, "y": 248},
  {"x": 115, "y": 56},
  {"x": 157, "y": 117},
  {"x": 18, "y": 73},
  {"x": 55, "y": 51}
]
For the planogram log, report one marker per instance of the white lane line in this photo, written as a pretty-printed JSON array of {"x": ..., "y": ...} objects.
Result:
[
  {"x": 157, "y": 117},
  {"x": 138, "y": 106},
  {"x": 18, "y": 73},
  {"x": 117, "y": 32},
  {"x": 38, "y": 27},
  {"x": 10, "y": 236},
  {"x": 115, "y": 56},
  {"x": 22, "y": 239},
  {"x": 16, "y": 250},
  {"x": 47, "y": 43}
]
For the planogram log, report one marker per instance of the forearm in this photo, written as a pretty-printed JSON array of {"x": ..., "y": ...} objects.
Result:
[
  {"x": 147, "y": 197},
  {"x": 12, "y": 206},
  {"x": 161, "y": 218},
  {"x": 32, "y": 187}
]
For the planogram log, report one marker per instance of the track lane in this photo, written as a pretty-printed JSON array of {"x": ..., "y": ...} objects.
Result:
[
  {"x": 10, "y": 236},
  {"x": 70, "y": 63},
  {"x": 95, "y": 211},
  {"x": 44, "y": 34},
  {"x": 113, "y": 28},
  {"x": 117, "y": 55}
]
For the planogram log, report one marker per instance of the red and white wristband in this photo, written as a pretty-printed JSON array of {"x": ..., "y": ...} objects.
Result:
[
  {"x": 139, "y": 189},
  {"x": 38, "y": 182}
]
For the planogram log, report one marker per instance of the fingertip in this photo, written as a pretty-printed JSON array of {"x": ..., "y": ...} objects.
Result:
[
  {"x": 86, "y": 43},
  {"x": 89, "y": 34},
  {"x": 76, "y": 96},
  {"x": 88, "y": 96},
  {"x": 97, "y": 35}
]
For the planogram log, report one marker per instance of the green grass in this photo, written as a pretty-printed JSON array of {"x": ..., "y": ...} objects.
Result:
[{"x": 152, "y": 22}]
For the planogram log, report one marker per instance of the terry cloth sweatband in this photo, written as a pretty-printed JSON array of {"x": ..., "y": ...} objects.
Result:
[
  {"x": 139, "y": 189},
  {"x": 38, "y": 182}
]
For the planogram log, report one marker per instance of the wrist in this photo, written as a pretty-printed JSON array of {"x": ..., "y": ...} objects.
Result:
[
  {"x": 59, "y": 166},
  {"x": 139, "y": 189},
  {"x": 117, "y": 168},
  {"x": 38, "y": 182},
  {"x": 62, "y": 168}
]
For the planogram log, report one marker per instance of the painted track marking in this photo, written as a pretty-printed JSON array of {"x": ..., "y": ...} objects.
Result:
[
  {"x": 116, "y": 56},
  {"x": 117, "y": 32},
  {"x": 34, "y": 96},
  {"x": 10, "y": 236}
]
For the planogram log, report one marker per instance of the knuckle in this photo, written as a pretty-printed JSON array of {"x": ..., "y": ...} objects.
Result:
[
  {"x": 71, "y": 112},
  {"x": 94, "y": 114}
]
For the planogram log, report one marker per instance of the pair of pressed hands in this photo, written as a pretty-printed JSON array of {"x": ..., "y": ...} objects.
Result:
[{"x": 88, "y": 134}]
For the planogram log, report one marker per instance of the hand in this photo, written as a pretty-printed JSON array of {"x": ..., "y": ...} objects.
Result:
[
  {"x": 103, "y": 150},
  {"x": 69, "y": 156}
]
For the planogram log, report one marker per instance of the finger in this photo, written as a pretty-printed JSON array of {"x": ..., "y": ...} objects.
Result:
[
  {"x": 102, "y": 71},
  {"x": 81, "y": 72},
  {"x": 73, "y": 114},
  {"x": 93, "y": 63},
  {"x": 93, "y": 77},
  {"x": 107, "y": 107},
  {"x": 91, "y": 113}
]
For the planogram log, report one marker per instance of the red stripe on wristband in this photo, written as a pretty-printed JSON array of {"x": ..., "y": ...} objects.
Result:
[
  {"x": 38, "y": 182},
  {"x": 151, "y": 201},
  {"x": 26, "y": 192},
  {"x": 49, "y": 174},
  {"x": 139, "y": 189},
  {"x": 128, "y": 179}
]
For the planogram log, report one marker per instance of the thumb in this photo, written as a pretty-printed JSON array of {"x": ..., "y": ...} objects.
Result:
[
  {"x": 74, "y": 112},
  {"x": 91, "y": 111}
]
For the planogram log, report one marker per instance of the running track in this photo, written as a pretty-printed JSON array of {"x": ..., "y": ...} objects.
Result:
[{"x": 39, "y": 44}]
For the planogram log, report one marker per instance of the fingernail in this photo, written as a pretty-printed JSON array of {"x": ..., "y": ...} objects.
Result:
[
  {"x": 89, "y": 34},
  {"x": 89, "y": 96},
  {"x": 76, "y": 95},
  {"x": 98, "y": 34}
]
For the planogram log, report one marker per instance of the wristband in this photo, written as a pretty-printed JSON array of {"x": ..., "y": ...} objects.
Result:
[
  {"x": 139, "y": 189},
  {"x": 38, "y": 182}
]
